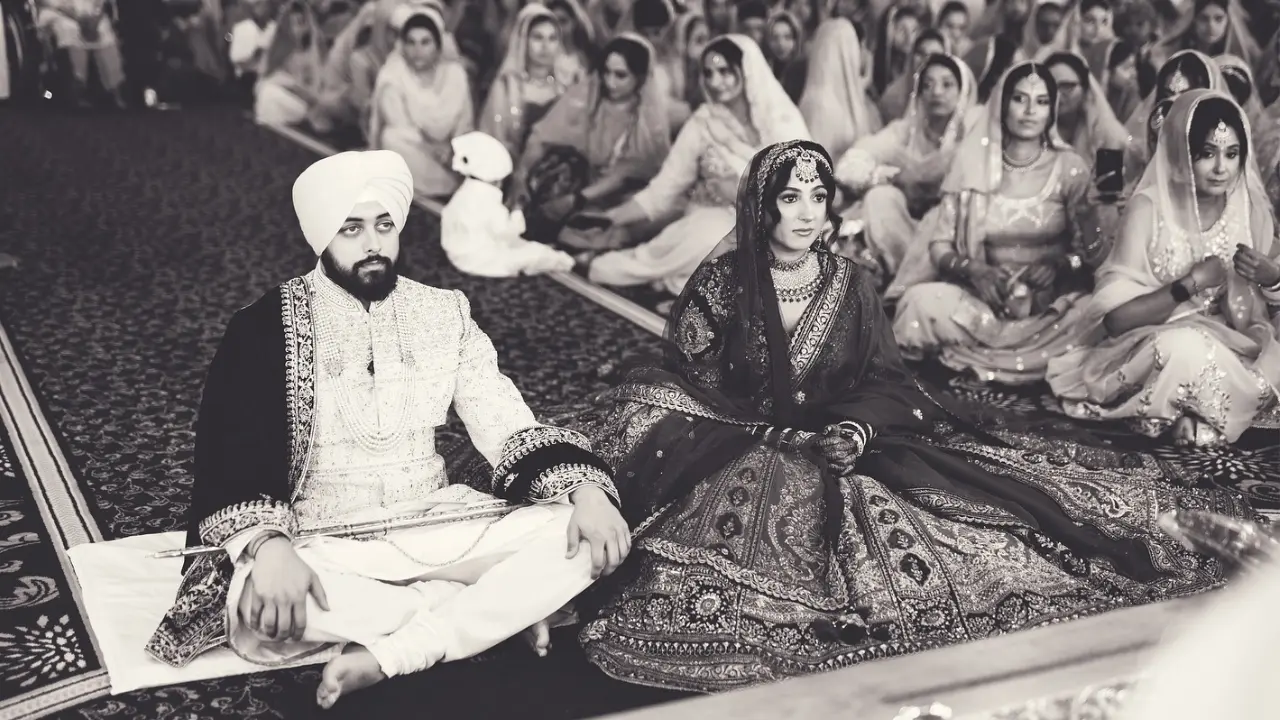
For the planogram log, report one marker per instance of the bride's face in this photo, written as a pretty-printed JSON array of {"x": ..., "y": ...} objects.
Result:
[
  {"x": 1216, "y": 164},
  {"x": 802, "y": 211}
]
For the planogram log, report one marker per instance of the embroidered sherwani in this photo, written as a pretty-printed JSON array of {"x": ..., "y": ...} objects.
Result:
[{"x": 317, "y": 412}]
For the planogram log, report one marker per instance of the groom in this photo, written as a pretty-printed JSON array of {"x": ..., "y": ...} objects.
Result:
[{"x": 320, "y": 409}]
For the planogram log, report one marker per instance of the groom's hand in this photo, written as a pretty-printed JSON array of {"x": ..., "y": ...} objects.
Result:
[{"x": 598, "y": 523}]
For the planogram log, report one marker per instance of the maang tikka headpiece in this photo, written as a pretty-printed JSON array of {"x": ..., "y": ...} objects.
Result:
[
  {"x": 806, "y": 164},
  {"x": 1178, "y": 83},
  {"x": 1221, "y": 135},
  {"x": 1036, "y": 84}
]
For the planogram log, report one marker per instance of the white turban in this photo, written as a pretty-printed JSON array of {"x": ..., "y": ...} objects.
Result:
[{"x": 324, "y": 193}]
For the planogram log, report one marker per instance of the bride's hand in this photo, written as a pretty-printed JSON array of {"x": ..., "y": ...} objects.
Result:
[{"x": 841, "y": 451}]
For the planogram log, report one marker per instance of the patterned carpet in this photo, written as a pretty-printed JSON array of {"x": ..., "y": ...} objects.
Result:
[{"x": 139, "y": 235}]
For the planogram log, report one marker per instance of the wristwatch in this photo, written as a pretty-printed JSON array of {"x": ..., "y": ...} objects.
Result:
[{"x": 1179, "y": 292}]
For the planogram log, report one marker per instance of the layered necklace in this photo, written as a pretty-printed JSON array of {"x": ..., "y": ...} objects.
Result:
[
  {"x": 796, "y": 281},
  {"x": 354, "y": 411}
]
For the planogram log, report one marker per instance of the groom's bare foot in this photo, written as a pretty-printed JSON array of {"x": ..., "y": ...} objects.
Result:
[
  {"x": 354, "y": 669},
  {"x": 539, "y": 637}
]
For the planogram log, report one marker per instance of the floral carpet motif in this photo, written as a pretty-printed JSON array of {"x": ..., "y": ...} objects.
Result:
[{"x": 43, "y": 640}]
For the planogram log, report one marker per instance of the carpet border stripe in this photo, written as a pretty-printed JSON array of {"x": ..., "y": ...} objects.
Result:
[
  {"x": 64, "y": 513},
  {"x": 618, "y": 305}
]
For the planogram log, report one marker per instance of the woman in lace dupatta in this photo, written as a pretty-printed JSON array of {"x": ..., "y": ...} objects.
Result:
[
  {"x": 797, "y": 508},
  {"x": 898, "y": 171},
  {"x": 835, "y": 103},
  {"x": 1186, "y": 302},
  {"x": 1014, "y": 241},
  {"x": 603, "y": 139},
  {"x": 290, "y": 72},
  {"x": 534, "y": 73},
  {"x": 746, "y": 110},
  {"x": 421, "y": 101}
]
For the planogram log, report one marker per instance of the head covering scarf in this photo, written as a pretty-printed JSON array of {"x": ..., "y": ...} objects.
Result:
[
  {"x": 835, "y": 104},
  {"x": 1124, "y": 103},
  {"x": 773, "y": 115},
  {"x": 1138, "y": 121},
  {"x": 918, "y": 143},
  {"x": 434, "y": 105},
  {"x": 1099, "y": 128},
  {"x": 326, "y": 192},
  {"x": 978, "y": 169},
  {"x": 1169, "y": 184},
  {"x": 581, "y": 39},
  {"x": 516, "y": 61},
  {"x": 889, "y": 63},
  {"x": 1235, "y": 65},
  {"x": 1067, "y": 39},
  {"x": 570, "y": 122},
  {"x": 682, "y": 70},
  {"x": 1239, "y": 41},
  {"x": 896, "y": 98},
  {"x": 284, "y": 44}
]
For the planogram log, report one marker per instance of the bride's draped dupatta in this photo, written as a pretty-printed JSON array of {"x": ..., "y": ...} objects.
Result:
[
  {"x": 1169, "y": 184},
  {"x": 733, "y": 379}
]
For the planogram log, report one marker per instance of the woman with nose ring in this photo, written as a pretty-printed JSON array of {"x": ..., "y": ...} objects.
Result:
[
  {"x": 1188, "y": 300},
  {"x": 1012, "y": 247}
]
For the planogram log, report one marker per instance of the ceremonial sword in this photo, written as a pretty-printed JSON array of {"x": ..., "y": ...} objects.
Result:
[{"x": 372, "y": 527}]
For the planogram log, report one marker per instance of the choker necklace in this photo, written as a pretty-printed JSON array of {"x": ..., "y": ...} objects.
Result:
[
  {"x": 797, "y": 281},
  {"x": 1015, "y": 166},
  {"x": 786, "y": 265}
]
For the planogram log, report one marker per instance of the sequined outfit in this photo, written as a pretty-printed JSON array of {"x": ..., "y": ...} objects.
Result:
[{"x": 1216, "y": 358}]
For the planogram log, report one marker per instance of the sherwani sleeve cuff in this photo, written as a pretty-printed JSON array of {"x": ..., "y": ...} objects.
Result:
[
  {"x": 234, "y": 526},
  {"x": 545, "y": 464}
]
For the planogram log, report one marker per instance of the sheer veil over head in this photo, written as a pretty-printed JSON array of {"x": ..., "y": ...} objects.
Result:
[
  {"x": 835, "y": 103},
  {"x": 753, "y": 302},
  {"x": 773, "y": 115},
  {"x": 1247, "y": 219}
]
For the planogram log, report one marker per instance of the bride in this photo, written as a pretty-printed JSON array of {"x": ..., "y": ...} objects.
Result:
[{"x": 800, "y": 503}]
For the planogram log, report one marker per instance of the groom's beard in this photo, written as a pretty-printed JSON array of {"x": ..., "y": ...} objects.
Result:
[{"x": 369, "y": 280}]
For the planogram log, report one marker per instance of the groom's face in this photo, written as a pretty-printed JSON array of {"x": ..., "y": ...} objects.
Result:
[{"x": 362, "y": 256}]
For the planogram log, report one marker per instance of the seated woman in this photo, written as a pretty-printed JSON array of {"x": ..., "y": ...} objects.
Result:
[
  {"x": 953, "y": 22},
  {"x": 896, "y": 99},
  {"x": 798, "y": 508},
  {"x": 746, "y": 109},
  {"x": 421, "y": 101},
  {"x": 577, "y": 37},
  {"x": 683, "y": 69},
  {"x": 533, "y": 75},
  {"x": 897, "y": 30},
  {"x": 603, "y": 139},
  {"x": 1014, "y": 242},
  {"x": 787, "y": 51},
  {"x": 899, "y": 170},
  {"x": 1084, "y": 119},
  {"x": 290, "y": 74},
  {"x": 835, "y": 103},
  {"x": 1187, "y": 299}
]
